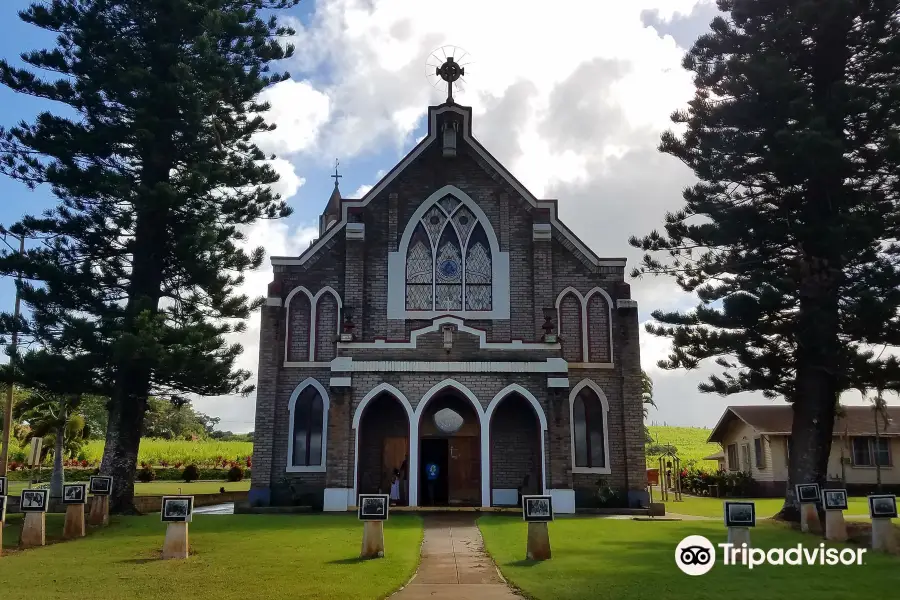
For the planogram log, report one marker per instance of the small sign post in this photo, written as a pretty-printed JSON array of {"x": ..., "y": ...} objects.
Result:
[
  {"x": 74, "y": 498},
  {"x": 883, "y": 508},
  {"x": 2, "y": 520},
  {"x": 537, "y": 511},
  {"x": 739, "y": 518},
  {"x": 809, "y": 495},
  {"x": 835, "y": 503},
  {"x": 373, "y": 512},
  {"x": 100, "y": 487},
  {"x": 34, "y": 504},
  {"x": 177, "y": 511}
]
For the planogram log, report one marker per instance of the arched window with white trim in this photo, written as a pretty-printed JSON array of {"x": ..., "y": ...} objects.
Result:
[
  {"x": 589, "y": 428},
  {"x": 308, "y": 427}
]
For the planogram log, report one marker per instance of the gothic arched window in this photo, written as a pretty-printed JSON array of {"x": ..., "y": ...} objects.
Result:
[
  {"x": 308, "y": 427},
  {"x": 448, "y": 263},
  {"x": 589, "y": 430}
]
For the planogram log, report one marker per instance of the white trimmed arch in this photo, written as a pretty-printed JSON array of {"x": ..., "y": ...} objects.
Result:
[
  {"x": 313, "y": 308},
  {"x": 585, "y": 326},
  {"x": 396, "y": 307},
  {"x": 515, "y": 388},
  {"x": 588, "y": 383},
  {"x": 292, "y": 403},
  {"x": 381, "y": 388}
]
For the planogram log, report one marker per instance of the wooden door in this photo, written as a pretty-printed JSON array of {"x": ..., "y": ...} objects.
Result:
[
  {"x": 464, "y": 472},
  {"x": 392, "y": 454}
]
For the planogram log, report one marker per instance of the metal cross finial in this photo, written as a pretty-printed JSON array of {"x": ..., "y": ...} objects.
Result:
[
  {"x": 450, "y": 71},
  {"x": 336, "y": 176}
]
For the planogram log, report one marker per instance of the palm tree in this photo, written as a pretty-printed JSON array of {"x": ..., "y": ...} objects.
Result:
[{"x": 647, "y": 400}]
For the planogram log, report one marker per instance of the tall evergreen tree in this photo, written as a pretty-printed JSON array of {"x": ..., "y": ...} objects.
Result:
[
  {"x": 155, "y": 173},
  {"x": 789, "y": 237}
]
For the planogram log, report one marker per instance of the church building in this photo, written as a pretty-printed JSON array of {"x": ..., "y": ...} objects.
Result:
[{"x": 448, "y": 331}]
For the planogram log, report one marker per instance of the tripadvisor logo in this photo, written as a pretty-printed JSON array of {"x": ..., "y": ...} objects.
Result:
[{"x": 696, "y": 555}]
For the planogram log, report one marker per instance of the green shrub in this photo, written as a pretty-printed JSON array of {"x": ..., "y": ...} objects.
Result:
[
  {"x": 191, "y": 473},
  {"x": 146, "y": 474},
  {"x": 235, "y": 473}
]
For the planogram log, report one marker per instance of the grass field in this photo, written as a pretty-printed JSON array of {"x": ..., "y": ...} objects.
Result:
[
  {"x": 160, "y": 488},
  {"x": 765, "y": 507},
  {"x": 233, "y": 558},
  {"x": 608, "y": 559},
  {"x": 203, "y": 453},
  {"x": 690, "y": 443}
]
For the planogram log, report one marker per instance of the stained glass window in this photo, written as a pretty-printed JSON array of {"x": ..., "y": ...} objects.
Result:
[{"x": 448, "y": 263}]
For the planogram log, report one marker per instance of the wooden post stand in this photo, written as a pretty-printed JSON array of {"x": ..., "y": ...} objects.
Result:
[
  {"x": 373, "y": 539},
  {"x": 809, "y": 518},
  {"x": 74, "y": 527},
  {"x": 737, "y": 536},
  {"x": 538, "y": 541},
  {"x": 176, "y": 544},
  {"x": 835, "y": 527},
  {"x": 34, "y": 532},
  {"x": 884, "y": 539},
  {"x": 99, "y": 511}
]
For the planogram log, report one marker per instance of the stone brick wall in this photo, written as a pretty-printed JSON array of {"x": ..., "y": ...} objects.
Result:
[
  {"x": 570, "y": 329},
  {"x": 598, "y": 329},
  {"x": 515, "y": 445}
]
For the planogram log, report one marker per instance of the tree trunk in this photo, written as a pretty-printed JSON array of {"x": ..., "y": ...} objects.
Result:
[
  {"x": 877, "y": 447},
  {"x": 58, "y": 476}
]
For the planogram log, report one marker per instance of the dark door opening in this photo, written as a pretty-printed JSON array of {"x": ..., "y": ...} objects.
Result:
[{"x": 434, "y": 492}]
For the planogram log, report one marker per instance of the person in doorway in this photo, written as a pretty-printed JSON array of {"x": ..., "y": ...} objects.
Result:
[
  {"x": 432, "y": 470},
  {"x": 404, "y": 480},
  {"x": 395, "y": 488}
]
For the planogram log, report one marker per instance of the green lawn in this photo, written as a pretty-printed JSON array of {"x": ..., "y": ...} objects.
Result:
[
  {"x": 606, "y": 559},
  {"x": 765, "y": 507},
  {"x": 233, "y": 557},
  {"x": 160, "y": 488}
]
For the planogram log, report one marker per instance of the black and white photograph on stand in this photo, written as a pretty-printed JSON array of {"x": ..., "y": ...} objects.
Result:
[
  {"x": 537, "y": 509},
  {"x": 883, "y": 506},
  {"x": 177, "y": 509},
  {"x": 373, "y": 507},
  {"x": 740, "y": 514},
  {"x": 74, "y": 493},
  {"x": 100, "y": 485},
  {"x": 808, "y": 493},
  {"x": 34, "y": 500},
  {"x": 2, "y": 486},
  {"x": 834, "y": 499}
]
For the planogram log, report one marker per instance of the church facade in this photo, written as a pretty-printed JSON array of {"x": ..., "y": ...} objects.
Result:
[{"x": 449, "y": 332}]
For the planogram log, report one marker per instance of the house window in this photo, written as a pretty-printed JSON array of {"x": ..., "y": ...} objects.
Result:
[
  {"x": 758, "y": 451},
  {"x": 589, "y": 430},
  {"x": 308, "y": 427},
  {"x": 448, "y": 261},
  {"x": 867, "y": 452},
  {"x": 733, "y": 458}
]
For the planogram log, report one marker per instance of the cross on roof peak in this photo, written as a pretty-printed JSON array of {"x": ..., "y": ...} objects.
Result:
[
  {"x": 450, "y": 71},
  {"x": 336, "y": 175}
]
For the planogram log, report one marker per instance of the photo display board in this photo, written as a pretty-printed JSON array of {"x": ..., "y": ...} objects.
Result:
[
  {"x": 2, "y": 486},
  {"x": 834, "y": 499},
  {"x": 808, "y": 493},
  {"x": 74, "y": 493},
  {"x": 177, "y": 509},
  {"x": 373, "y": 507},
  {"x": 100, "y": 485},
  {"x": 537, "y": 509},
  {"x": 34, "y": 501},
  {"x": 740, "y": 514},
  {"x": 883, "y": 506}
]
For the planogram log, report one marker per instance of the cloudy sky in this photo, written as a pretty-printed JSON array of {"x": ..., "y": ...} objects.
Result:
[{"x": 571, "y": 97}]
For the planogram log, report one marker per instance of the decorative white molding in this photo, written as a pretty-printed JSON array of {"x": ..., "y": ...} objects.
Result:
[
  {"x": 433, "y": 135},
  {"x": 346, "y": 364},
  {"x": 435, "y": 326},
  {"x": 541, "y": 232},
  {"x": 396, "y": 302},
  {"x": 337, "y": 499},
  {"x": 625, "y": 303},
  {"x": 606, "y": 469},
  {"x": 558, "y": 382},
  {"x": 338, "y": 382},
  {"x": 326, "y": 405},
  {"x": 273, "y": 301},
  {"x": 585, "y": 328},
  {"x": 356, "y": 231},
  {"x": 313, "y": 306}
]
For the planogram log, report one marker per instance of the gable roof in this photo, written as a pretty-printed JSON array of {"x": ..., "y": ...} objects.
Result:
[
  {"x": 466, "y": 114},
  {"x": 777, "y": 420}
]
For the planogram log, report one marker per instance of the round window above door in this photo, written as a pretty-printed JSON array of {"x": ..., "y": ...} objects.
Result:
[{"x": 448, "y": 420}]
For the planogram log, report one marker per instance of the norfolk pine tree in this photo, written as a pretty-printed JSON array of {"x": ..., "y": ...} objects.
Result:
[
  {"x": 789, "y": 237},
  {"x": 155, "y": 174}
]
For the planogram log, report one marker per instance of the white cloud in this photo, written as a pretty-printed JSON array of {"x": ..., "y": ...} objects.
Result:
[{"x": 299, "y": 111}]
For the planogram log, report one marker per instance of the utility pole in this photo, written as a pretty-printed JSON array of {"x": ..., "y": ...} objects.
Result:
[{"x": 7, "y": 413}]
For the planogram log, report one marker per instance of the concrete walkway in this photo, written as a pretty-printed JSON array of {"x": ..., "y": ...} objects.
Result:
[{"x": 454, "y": 565}]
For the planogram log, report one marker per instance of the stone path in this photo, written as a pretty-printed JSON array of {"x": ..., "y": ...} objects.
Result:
[{"x": 454, "y": 565}]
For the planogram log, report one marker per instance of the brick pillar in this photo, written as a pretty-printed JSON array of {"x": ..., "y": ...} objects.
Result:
[
  {"x": 542, "y": 276},
  {"x": 503, "y": 329},
  {"x": 354, "y": 280},
  {"x": 271, "y": 355},
  {"x": 628, "y": 355},
  {"x": 395, "y": 328},
  {"x": 338, "y": 432}
]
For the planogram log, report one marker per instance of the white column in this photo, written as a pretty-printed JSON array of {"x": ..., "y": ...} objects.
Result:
[{"x": 414, "y": 462}]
